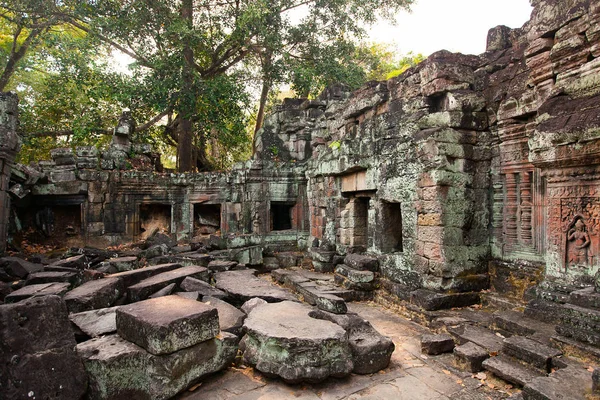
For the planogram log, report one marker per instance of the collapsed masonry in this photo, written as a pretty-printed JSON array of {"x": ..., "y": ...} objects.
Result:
[
  {"x": 459, "y": 161},
  {"x": 462, "y": 174}
]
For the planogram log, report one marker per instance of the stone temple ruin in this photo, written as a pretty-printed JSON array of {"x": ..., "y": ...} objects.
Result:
[{"x": 467, "y": 180}]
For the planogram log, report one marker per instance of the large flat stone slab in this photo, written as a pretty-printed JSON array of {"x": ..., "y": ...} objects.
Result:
[
  {"x": 96, "y": 323},
  {"x": 190, "y": 284},
  {"x": 531, "y": 352},
  {"x": 243, "y": 285},
  {"x": 145, "y": 288},
  {"x": 18, "y": 268},
  {"x": 167, "y": 324},
  {"x": 37, "y": 357},
  {"x": 137, "y": 275},
  {"x": 230, "y": 318},
  {"x": 120, "y": 370},
  {"x": 91, "y": 295},
  {"x": 42, "y": 289},
  {"x": 50, "y": 277},
  {"x": 283, "y": 340}
]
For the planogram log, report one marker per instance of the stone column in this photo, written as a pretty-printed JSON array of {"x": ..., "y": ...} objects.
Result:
[{"x": 9, "y": 146}]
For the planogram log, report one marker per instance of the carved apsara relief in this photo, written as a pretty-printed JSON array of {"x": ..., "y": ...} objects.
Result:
[{"x": 580, "y": 220}]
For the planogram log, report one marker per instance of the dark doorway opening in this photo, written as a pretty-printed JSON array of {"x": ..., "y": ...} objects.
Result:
[
  {"x": 391, "y": 218},
  {"x": 281, "y": 216},
  {"x": 154, "y": 218},
  {"x": 207, "y": 219}
]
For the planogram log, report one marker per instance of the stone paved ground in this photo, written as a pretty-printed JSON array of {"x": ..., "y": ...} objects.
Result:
[{"x": 410, "y": 376}]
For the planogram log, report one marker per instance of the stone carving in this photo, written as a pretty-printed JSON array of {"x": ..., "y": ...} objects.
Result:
[{"x": 578, "y": 243}]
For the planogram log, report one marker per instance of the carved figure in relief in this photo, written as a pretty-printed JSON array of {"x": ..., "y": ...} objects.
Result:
[{"x": 578, "y": 243}]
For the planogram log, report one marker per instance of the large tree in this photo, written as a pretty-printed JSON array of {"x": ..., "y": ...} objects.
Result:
[{"x": 188, "y": 54}]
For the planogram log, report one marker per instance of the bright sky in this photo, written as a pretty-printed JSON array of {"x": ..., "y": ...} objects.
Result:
[{"x": 454, "y": 25}]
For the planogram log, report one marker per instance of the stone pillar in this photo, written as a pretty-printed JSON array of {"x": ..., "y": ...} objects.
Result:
[{"x": 9, "y": 146}]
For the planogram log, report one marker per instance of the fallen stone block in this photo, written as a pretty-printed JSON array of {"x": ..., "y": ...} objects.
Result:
[
  {"x": 221, "y": 265},
  {"x": 145, "y": 288},
  {"x": 471, "y": 356},
  {"x": 331, "y": 303},
  {"x": 510, "y": 370},
  {"x": 121, "y": 370},
  {"x": 371, "y": 351},
  {"x": 251, "y": 304},
  {"x": 362, "y": 262},
  {"x": 190, "y": 284},
  {"x": 531, "y": 352},
  {"x": 16, "y": 267},
  {"x": 51, "y": 276},
  {"x": 42, "y": 289},
  {"x": 155, "y": 251},
  {"x": 298, "y": 348},
  {"x": 432, "y": 301},
  {"x": 243, "y": 286},
  {"x": 167, "y": 324},
  {"x": 437, "y": 344},
  {"x": 78, "y": 262},
  {"x": 124, "y": 263},
  {"x": 167, "y": 290},
  {"x": 96, "y": 323},
  {"x": 354, "y": 275},
  {"x": 230, "y": 318},
  {"x": 37, "y": 357},
  {"x": 135, "y": 276},
  {"x": 91, "y": 295},
  {"x": 352, "y": 285}
]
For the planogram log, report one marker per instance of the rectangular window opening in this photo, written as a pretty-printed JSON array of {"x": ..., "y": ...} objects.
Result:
[
  {"x": 154, "y": 218},
  {"x": 281, "y": 216},
  {"x": 391, "y": 219}
]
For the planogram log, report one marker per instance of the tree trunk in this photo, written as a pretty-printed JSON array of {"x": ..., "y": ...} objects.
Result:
[
  {"x": 185, "y": 157},
  {"x": 264, "y": 94}
]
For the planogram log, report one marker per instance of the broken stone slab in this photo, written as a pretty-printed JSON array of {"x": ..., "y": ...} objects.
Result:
[
  {"x": 587, "y": 298},
  {"x": 51, "y": 276},
  {"x": 159, "y": 238},
  {"x": 251, "y": 304},
  {"x": 531, "y": 352},
  {"x": 371, "y": 351},
  {"x": 91, "y": 295},
  {"x": 470, "y": 356},
  {"x": 355, "y": 275},
  {"x": 196, "y": 296},
  {"x": 187, "y": 259},
  {"x": 124, "y": 263},
  {"x": 320, "y": 255},
  {"x": 145, "y": 288},
  {"x": 121, "y": 370},
  {"x": 96, "y": 323},
  {"x": 362, "y": 262},
  {"x": 221, "y": 265},
  {"x": 190, "y": 284},
  {"x": 19, "y": 268},
  {"x": 478, "y": 335},
  {"x": 230, "y": 318},
  {"x": 155, "y": 251},
  {"x": 37, "y": 357},
  {"x": 135, "y": 276},
  {"x": 352, "y": 285},
  {"x": 510, "y": 370},
  {"x": 283, "y": 340},
  {"x": 167, "y": 324},
  {"x": 39, "y": 290},
  {"x": 243, "y": 285},
  {"x": 437, "y": 344},
  {"x": 167, "y": 290},
  {"x": 322, "y": 266},
  {"x": 432, "y": 301},
  {"x": 566, "y": 383},
  {"x": 78, "y": 262},
  {"x": 331, "y": 303}
]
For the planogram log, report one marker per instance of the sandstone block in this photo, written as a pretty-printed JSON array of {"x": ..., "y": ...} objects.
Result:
[
  {"x": 167, "y": 324},
  {"x": 145, "y": 288},
  {"x": 91, "y": 295},
  {"x": 437, "y": 344}
]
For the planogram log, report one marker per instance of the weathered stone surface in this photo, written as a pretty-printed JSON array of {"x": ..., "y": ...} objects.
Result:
[
  {"x": 331, "y": 303},
  {"x": 430, "y": 300},
  {"x": 296, "y": 349},
  {"x": 243, "y": 286},
  {"x": 437, "y": 344},
  {"x": 155, "y": 251},
  {"x": 480, "y": 336},
  {"x": 37, "y": 357},
  {"x": 79, "y": 262},
  {"x": 355, "y": 275},
  {"x": 96, "y": 323},
  {"x": 471, "y": 356},
  {"x": 130, "y": 278},
  {"x": 124, "y": 263},
  {"x": 18, "y": 268},
  {"x": 371, "y": 351},
  {"x": 145, "y": 288},
  {"x": 531, "y": 352},
  {"x": 566, "y": 383},
  {"x": 362, "y": 262},
  {"x": 167, "y": 324},
  {"x": 510, "y": 371},
  {"x": 42, "y": 289},
  {"x": 221, "y": 265},
  {"x": 91, "y": 295},
  {"x": 50, "y": 276},
  {"x": 230, "y": 318},
  {"x": 167, "y": 290},
  {"x": 251, "y": 304},
  {"x": 190, "y": 284},
  {"x": 120, "y": 370}
]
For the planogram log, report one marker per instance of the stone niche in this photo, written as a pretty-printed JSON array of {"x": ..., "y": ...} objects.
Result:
[
  {"x": 154, "y": 218},
  {"x": 207, "y": 219}
]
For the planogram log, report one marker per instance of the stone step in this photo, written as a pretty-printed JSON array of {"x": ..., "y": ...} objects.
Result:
[
  {"x": 531, "y": 352},
  {"x": 570, "y": 383},
  {"x": 145, "y": 288},
  {"x": 580, "y": 334},
  {"x": 480, "y": 336},
  {"x": 510, "y": 370},
  {"x": 574, "y": 347},
  {"x": 354, "y": 275},
  {"x": 516, "y": 323},
  {"x": 587, "y": 298},
  {"x": 580, "y": 317},
  {"x": 431, "y": 301}
]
